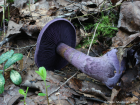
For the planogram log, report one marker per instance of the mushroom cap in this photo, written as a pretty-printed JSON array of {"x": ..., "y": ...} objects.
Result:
[{"x": 53, "y": 33}]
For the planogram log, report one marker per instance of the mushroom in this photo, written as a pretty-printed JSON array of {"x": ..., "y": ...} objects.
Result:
[{"x": 55, "y": 48}]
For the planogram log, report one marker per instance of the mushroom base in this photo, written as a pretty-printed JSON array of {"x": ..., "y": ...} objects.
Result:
[{"x": 105, "y": 68}]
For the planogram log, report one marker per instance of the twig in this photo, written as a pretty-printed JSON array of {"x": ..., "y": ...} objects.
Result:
[
  {"x": 93, "y": 13},
  {"x": 81, "y": 24},
  {"x": 135, "y": 96},
  {"x": 7, "y": 39},
  {"x": 28, "y": 56},
  {"x": 63, "y": 84},
  {"x": 93, "y": 38},
  {"x": 20, "y": 47},
  {"x": 95, "y": 53}
]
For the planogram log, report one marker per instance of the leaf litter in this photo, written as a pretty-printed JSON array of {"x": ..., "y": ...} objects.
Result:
[{"x": 23, "y": 30}]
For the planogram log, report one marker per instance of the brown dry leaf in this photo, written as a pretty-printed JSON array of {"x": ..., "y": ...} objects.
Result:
[
  {"x": 78, "y": 36},
  {"x": 21, "y": 3},
  {"x": 63, "y": 2},
  {"x": 128, "y": 79},
  {"x": 122, "y": 50},
  {"x": 28, "y": 102},
  {"x": 31, "y": 30},
  {"x": 98, "y": 90},
  {"x": 75, "y": 84},
  {"x": 128, "y": 24},
  {"x": 129, "y": 16},
  {"x": 33, "y": 80},
  {"x": 38, "y": 13},
  {"x": 114, "y": 1},
  {"x": 27, "y": 62},
  {"x": 43, "y": 21},
  {"x": 10, "y": 95},
  {"x": 52, "y": 11},
  {"x": 94, "y": 92},
  {"x": 25, "y": 41},
  {"x": 62, "y": 102},
  {"x": 120, "y": 54},
  {"x": 114, "y": 95},
  {"x": 134, "y": 99},
  {"x": 13, "y": 28}
]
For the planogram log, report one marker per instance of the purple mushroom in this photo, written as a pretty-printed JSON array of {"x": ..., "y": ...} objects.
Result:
[{"x": 55, "y": 46}]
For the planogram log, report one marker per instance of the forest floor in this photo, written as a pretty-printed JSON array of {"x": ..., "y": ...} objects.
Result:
[{"x": 101, "y": 25}]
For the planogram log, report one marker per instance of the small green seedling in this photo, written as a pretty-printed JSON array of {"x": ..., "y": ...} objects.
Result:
[
  {"x": 10, "y": 59},
  {"x": 21, "y": 91},
  {"x": 43, "y": 74},
  {"x": 9, "y": 1}
]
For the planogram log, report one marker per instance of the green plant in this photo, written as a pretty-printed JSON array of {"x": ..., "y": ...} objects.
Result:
[
  {"x": 88, "y": 26},
  {"x": 21, "y": 91},
  {"x": 9, "y": 1},
  {"x": 10, "y": 59},
  {"x": 105, "y": 29},
  {"x": 3, "y": 18},
  {"x": 43, "y": 74}
]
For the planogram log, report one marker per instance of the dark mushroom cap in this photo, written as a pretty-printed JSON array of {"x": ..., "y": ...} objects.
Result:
[{"x": 53, "y": 33}]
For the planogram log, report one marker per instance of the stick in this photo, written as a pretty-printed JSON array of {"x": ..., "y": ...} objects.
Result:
[{"x": 93, "y": 38}]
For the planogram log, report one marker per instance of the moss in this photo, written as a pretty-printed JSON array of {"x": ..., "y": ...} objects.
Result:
[{"x": 106, "y": 29}]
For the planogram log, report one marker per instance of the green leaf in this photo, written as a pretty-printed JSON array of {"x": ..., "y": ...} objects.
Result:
[
  {"x": 38, "y": 72},
  {"x": 2, "y": 82},
  {"x": 2, "y": 5},
  {"x": 1, "y": 71},
  {"x": 6, "y": 56},
  {"x": 1, "y": 89},
  {"x": 41, "y": 94},
  {"x": 15, "y": 77},
  {"x": 21, "y": 91},
  {"x": 42, "y": 70},
  {"x": 12, "y": 60},
  {"x": 7, "y": 20},
  {"x": 48, "y": 86},
  {"x": 10, "y": 1},
  {"x": 26, "y": 92}
]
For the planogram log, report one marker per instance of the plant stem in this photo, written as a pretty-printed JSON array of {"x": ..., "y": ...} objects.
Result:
[
  {"x": 46, "y": 92},
  {"x": 93, "y": 38},
  {"x": 25, "y": 95},
  {"x": 24, "y": 101},
  {"x": 8, "y": 12},
  {"x": 4, "y": 17},
  {"x": 27, "y": 90}
]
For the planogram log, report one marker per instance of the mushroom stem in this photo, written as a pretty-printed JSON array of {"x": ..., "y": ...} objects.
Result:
[{"x": 105, "y": 68}]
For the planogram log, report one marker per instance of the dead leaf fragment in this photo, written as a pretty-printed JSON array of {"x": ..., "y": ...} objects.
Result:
[{"x": 13, "y": 28}]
